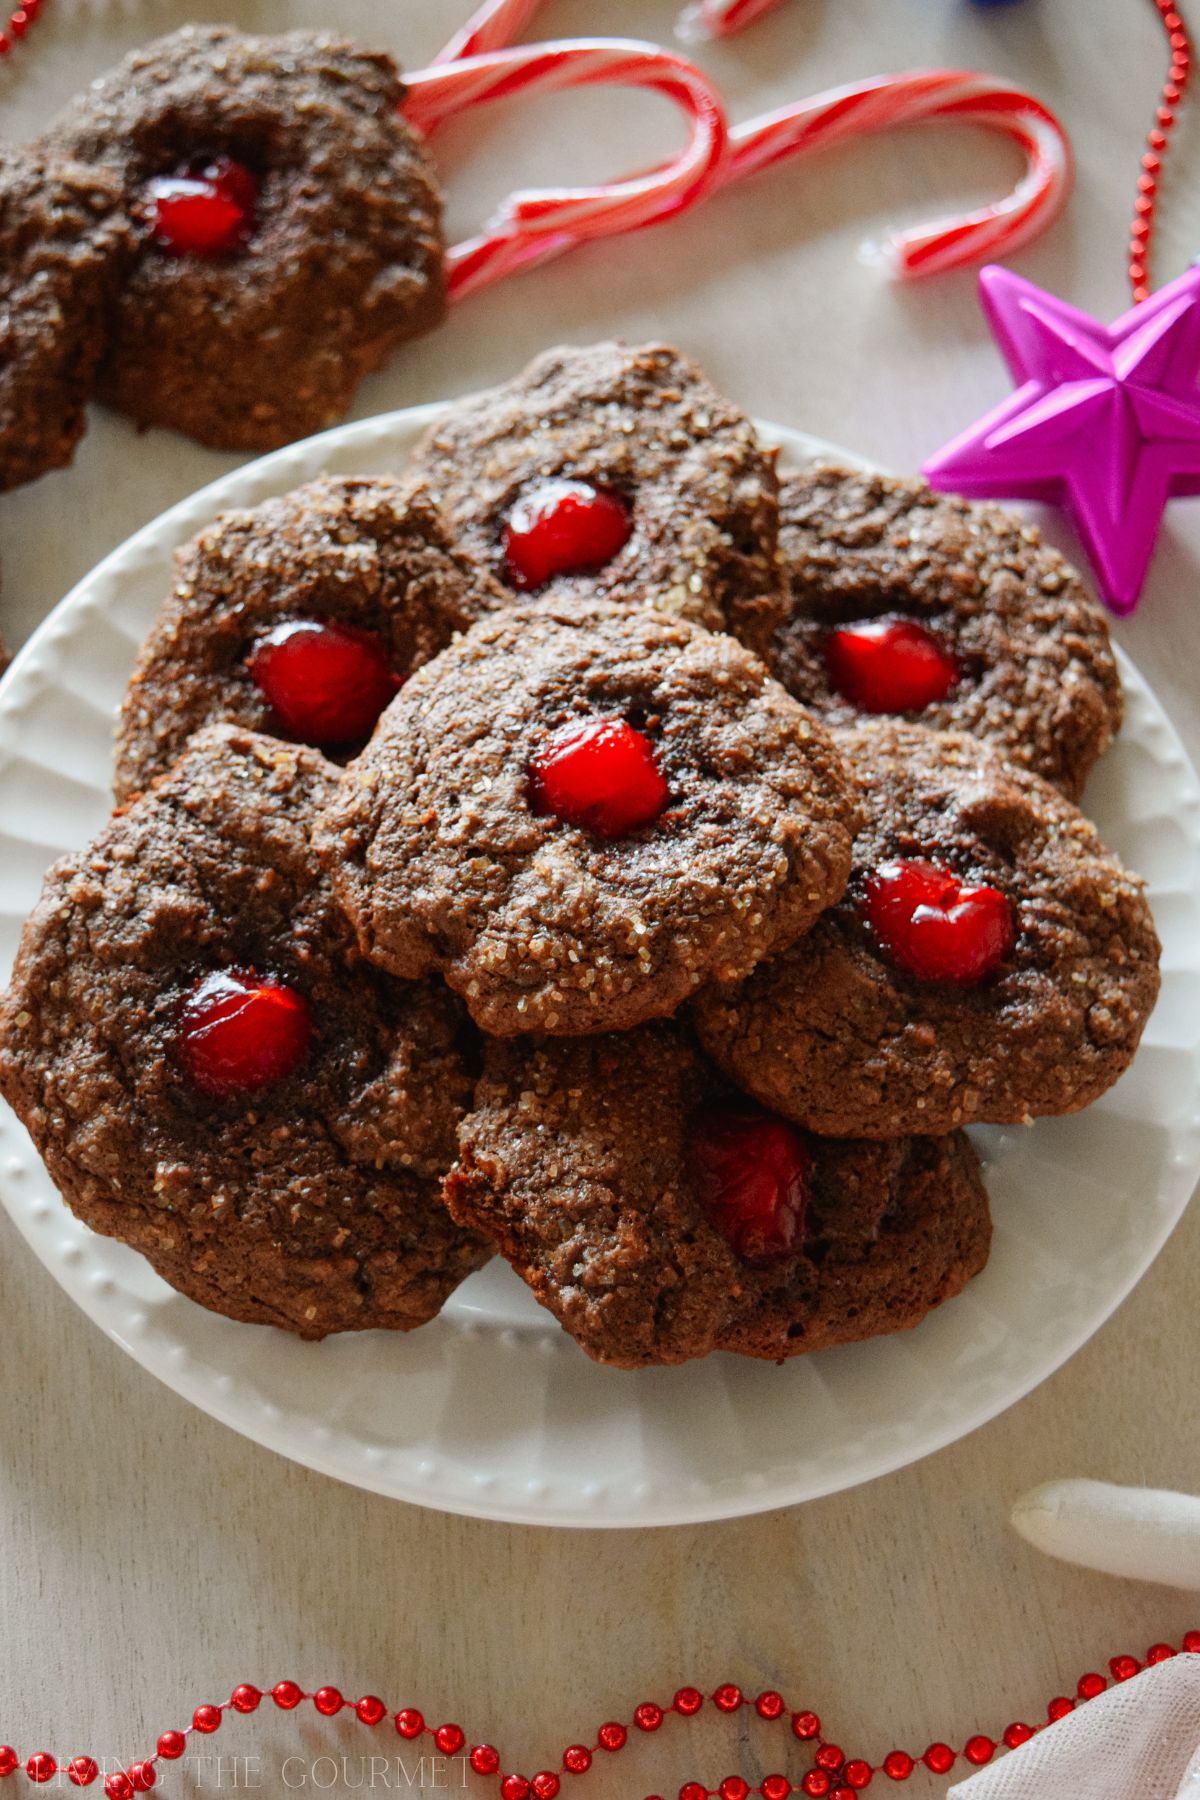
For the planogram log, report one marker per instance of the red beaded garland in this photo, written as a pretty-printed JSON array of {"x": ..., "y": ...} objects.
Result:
[
  {"x": 1164, "y": 118},
  {"x": 832, "y": 1777},
  {"x": 18, "y": 24}
]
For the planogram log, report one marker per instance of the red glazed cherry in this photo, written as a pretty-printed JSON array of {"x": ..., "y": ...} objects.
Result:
[
  {"x": 889, "y": 665},
  {"x": 751, "y": 1173},
  {"x": 934, "y": 927},
  {"x": 238, "y": 1033},
  {"x": 206, "y": 208},
  {"x": 327, "y": 682},
  {"x": 601, "y": 776},
  {"x": 563, "y": 528}
]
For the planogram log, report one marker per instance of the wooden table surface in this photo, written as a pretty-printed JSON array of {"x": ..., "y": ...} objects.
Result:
[{"x": 150, "y": 1557}]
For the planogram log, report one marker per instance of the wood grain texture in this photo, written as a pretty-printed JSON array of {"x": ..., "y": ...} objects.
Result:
[{"x": 150, "y": 1557}]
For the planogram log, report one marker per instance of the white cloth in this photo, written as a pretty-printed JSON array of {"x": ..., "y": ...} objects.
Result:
[
  {"x": 1138, "y": 1741},
  {"x": 1146, "y": 1533}
]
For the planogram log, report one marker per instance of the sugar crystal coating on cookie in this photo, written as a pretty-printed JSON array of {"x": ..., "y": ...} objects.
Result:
[
  {"x": 492, "y": 830},
  {"x": 213, "y": 1074},
  {"x": 64, "y": 245},
  {"x": 957, "y": 616},
  {"x": 590, "y": 1165},
  {"x": 682, "y": 512},
  {"x": 301, "y": 616},
  {"x": 1023, "y": 990},
  {"x": 249, "y": 319}
]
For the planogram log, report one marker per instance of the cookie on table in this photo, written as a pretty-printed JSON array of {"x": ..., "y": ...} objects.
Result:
[
  {"x": 64, "y": 245},
  {"x": 290, "y": 228},
  {"x": 579, "y": 815},
  {"x": 619, "y": 473},
  {"x": 957, "y": 616},
  {"x": 659, "y": 1215},
  {"x": 213, "y": 1074},
  {"x": 990, "y": 961},
  {"x": 301, "y": 617}
]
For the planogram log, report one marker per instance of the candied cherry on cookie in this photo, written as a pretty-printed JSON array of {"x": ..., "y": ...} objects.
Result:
[
  {"x": 327, "y": 681},
  {"x": 890, "y": 665},
  {"x": 206, "y": 208},
  {"x": 935, "y": 926},
  {"x": 601, "y": 775},
  {"x": 291, "y": 229},
  {"x": 239, "y": 1033},
  {"x": 562, "y": 527},
  {"x": 752, "y": 1173}
]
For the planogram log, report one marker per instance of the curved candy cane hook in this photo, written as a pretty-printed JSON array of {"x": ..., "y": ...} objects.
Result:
[
  {"x": 498, "y": 22},
  {"x": 950, "y": 95},
  {"x": 538, "y": 223}
]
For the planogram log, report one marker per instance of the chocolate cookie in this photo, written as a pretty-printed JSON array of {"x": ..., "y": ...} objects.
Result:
[
  {"x": 616, "y": 473},
  {"x": 300, "y": 617},
  {"x": 990, "y": 961},
  {"x": 290, "y": 221},
  {"x": 957, "y": 616},
  {"x": 212, "y": 1073},
  {"x": 658, "y": 1215},
  {"x": 64, "y": 244},
  {"x": 581, "y": 814}
]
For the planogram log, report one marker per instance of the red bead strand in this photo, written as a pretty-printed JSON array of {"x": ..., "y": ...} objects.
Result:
[
  {"x": 831, "y": 1776},
  {"x": 18, "y": 24},
  {"x": 1178, "y": 73}
]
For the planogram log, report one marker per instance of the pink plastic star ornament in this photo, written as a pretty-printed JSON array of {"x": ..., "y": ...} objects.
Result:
[{"x": 1105, "y": 421}]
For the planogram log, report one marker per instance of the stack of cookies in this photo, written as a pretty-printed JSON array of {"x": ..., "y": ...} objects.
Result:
[{"x": 595, "y": 848}]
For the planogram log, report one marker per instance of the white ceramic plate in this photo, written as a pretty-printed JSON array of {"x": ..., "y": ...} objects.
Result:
[{"x": 491, "y": 1410}]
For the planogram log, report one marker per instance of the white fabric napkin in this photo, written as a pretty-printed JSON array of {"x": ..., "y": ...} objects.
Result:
[{"x": 1139, "y": 1741}]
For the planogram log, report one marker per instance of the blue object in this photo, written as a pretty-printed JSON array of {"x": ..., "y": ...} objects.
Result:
[{"x": 993, "y": 2}]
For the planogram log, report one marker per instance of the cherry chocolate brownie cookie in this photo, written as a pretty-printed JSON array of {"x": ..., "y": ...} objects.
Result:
[
  {"x": 990, "y": 961},
  {"x": 955, "y": 615},
  {"x": 618, "y": 473},
  {"x": 64, "y": 245},
  {"x": 581, "y": 814},
  {"x": 301, "y": 617},
  {"x": 659, "y": 1215},
  {"x": 290, "y": 228},
  {"x": 212, "y": 1073}
]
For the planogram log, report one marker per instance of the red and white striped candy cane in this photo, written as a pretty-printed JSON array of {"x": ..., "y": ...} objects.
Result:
[
  {"x": 538, "y": 223},
  {"x": 498, "y": 22},
  {"x": 950, "y": 95},
  {"x": 720, "y": 18}
]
